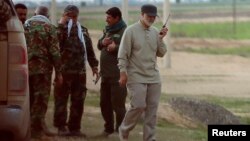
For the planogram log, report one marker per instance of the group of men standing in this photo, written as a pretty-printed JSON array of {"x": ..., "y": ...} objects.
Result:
[
  {"x": 66, "y": 48},
  {"x": 127, "y": 63}
]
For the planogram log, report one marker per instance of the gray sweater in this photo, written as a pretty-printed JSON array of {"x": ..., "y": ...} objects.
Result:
[{"x": 138, "y": 52}]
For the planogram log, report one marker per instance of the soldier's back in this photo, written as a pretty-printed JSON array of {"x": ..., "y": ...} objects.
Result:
[{"x": 39, "y": 35}]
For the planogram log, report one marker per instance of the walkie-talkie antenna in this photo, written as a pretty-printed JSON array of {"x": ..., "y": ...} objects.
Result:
[{"x": 165, "y": 23}]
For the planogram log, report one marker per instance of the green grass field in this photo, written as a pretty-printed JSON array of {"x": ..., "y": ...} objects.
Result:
[
  {"x": 193, "y": 30},
  {"x": 94, "y": 19},
  {"x": 223, "y": 30}
]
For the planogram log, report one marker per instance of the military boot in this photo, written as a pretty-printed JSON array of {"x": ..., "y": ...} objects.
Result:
[
  {"x": 63, "y": 131},
  {"x": 46, "y": 130}
]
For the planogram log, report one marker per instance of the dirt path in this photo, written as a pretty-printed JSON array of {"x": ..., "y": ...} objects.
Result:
[{"x": 196, "y": 74}]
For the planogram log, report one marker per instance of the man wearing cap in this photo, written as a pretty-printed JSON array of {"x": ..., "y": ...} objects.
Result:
[
  {"x": 140, "y": 46},
  {"x": 76, "y": 49},
  {"x": 113, "y": 96},
  {"x": 43, "y": 56}
]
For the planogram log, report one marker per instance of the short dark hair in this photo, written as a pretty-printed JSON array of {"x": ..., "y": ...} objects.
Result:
[
  {"x": 71, "y": 8},
  {"x": 20, "y": 5},
  {"x": 114, "y": 12},
  {"x": 42, "y": 10}
]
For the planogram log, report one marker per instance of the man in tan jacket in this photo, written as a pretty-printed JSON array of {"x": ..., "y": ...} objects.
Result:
[{"x": 140, "y": 46}]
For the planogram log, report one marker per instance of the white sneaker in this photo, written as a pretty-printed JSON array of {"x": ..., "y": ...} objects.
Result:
[{"x": 122, "y": 137}]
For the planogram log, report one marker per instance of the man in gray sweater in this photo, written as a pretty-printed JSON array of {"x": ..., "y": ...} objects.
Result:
[{"x": 140, "y": 46}]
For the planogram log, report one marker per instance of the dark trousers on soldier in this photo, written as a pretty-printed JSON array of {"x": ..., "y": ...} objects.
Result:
[
  {"x": 113, "y": 98},
  {"x": 39, "y": 85},
  {"x": 73, "y": 87}
]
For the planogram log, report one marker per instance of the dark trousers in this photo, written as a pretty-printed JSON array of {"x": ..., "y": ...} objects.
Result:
[
  {"x": 113, "y": 98},
  {"x": 74, "y": 87},
  {"x": 39, "y": 87}
]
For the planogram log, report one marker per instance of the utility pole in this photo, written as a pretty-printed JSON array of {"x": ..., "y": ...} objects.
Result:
[
  {"x": 234, "y": 17},
  {"x": 125, "y": 11},
  {"x": 53, "y": 12},
  {"x": 167, "y": 57},
  {"x": 53, "y": 20}
]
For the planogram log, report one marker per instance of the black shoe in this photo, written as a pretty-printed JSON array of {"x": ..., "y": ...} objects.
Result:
[
  {"x": 46, "y": 130},
  {"x": 49, "y": 133},
  {"x": 39, "y": 136},
  {"x": 62, "y": 131},
  {"x": 36, "y": 134},
  {"x": 77, "y": 133}
]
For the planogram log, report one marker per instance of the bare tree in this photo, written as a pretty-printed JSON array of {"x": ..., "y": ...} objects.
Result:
[{"x": 234, "y": 16}]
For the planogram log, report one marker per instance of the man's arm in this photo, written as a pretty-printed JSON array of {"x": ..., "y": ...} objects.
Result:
[
  {"x": 61, "y": 33},
  {"x": 114, "y": 46},
  {"x": 63, "y": 28},
  {"x": 99, "y": 43},
  {"x": 54, "y": 49},
  {"x": 124, "y": 50},
  {"x": 123, "y": 54},
  {"x": 93, "y": 62},
  {"x": 55, "y": 56},
  {"x": 161, "y": 47}
]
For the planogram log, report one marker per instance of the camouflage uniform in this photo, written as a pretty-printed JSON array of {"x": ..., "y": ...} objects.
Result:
[
  {"x": 5, "y": 11},
  {"x": 74, "y": 76},
  {"x": 43, "y": 55}
]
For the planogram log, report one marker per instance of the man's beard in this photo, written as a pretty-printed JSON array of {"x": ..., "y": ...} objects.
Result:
[{"x": 148, "y": 23}]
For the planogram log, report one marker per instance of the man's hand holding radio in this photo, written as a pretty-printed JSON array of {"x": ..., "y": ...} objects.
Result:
[{"x": 163, "y": 32}]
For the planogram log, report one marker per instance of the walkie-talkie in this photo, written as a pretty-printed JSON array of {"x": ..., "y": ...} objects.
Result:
[{"x": 165, "y": 23}]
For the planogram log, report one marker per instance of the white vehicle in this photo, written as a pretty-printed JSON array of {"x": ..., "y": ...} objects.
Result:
[{"x": 14, "y": 89}]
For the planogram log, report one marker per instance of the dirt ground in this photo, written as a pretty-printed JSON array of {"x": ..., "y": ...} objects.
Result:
[
  {"x": 199, "y": 74},
  {"x": 191, "y": 74},
  {"x": 196, "y": 74}
]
